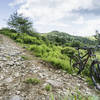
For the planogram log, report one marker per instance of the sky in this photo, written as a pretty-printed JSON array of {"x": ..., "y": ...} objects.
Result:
[{"x": 77, "y": 17}]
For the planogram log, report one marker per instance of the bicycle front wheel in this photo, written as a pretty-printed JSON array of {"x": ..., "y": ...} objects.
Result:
[{"x": 95, "y": 73}]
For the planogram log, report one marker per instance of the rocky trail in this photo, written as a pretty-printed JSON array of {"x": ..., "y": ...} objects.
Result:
[{"x": 14, "y": 70}]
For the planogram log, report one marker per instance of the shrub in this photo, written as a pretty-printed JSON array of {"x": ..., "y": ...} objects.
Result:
[
  {"x": 33, "y": 81},
  {"x": 19, "y": 40},
  {"x": 69, "y": 51},
  {"x": 48, "y": 87},
  {"x": 59, "y": 63},
  {"x": 8, "y": 30},
  {"x": 24, "y": 57},
  {"x": 44, "y": 38},
  {"x": 13, "y": 36},
  {"x": 28, "y": 39},
  {"x": 68, "y": 44},
  {"x": 76, "y": 96},
  {"x": 31, "y": 40},
  {"x": 75, "y": 44},
  {"x": 40, "y": 50}
]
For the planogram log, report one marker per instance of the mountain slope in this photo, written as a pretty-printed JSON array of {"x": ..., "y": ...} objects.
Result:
[
  {"x": 62, "y": 38},
  {"x": 15, "y": 70}
]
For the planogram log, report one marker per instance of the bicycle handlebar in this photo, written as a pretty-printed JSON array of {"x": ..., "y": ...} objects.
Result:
[
  {"x": 98, "y": 46},
  {"x": 88, "y": 48},
  {"x": 85, "y": 48}
]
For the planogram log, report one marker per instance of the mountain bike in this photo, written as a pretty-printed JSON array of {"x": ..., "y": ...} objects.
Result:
[{"x": 80, "y": 61}]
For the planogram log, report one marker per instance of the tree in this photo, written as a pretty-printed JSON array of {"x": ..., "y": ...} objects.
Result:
[
  {"x": 20, "y": 23},
  {"x": 75, "y": 44},
  {"x": 97, "y": 36}
]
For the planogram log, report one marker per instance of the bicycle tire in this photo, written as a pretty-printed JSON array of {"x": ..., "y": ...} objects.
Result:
[
  {"x": 77, "y": 65},
  {"x": 95, "y": 73}
]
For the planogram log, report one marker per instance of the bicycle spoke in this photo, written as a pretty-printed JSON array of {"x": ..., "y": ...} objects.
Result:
[
  {"x": 99, "y": 67},
  {"x": 95, "y": 74},
  {"x": 96, "y": 71},
  {"x": 81, "y": 61}
]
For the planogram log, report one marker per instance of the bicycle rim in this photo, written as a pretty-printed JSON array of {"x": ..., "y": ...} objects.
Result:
[
  {"x": 95, "y": 74},
  {"x": 76, "y": 65}
]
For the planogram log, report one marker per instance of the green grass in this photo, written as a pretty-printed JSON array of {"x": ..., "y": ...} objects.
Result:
[
  {"x": 98, "y": 55},
  {"x": 8, "y": 57},
  {"x": 58, "y": 56},
  {"x": 42, "y": 48},
  {"x": 77, "y": 96},
  {"x": 48, "y": 87},
  {"x": 24, "y": 57},
  {"x": 91, "y": 38},
  {"x": 33, "y": 81}
]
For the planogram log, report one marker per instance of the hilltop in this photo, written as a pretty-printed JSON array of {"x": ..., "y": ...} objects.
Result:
[{"x": 65, "y": 38}]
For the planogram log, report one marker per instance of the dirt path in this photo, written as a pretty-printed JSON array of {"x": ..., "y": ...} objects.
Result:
[{"x": 14, "y": 70}]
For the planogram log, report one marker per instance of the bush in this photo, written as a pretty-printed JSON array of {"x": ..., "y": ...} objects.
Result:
[
  {"x": 24, "y": 57},
  {"x": 48, "y": 87},
  {"x": 8, "y": 30},
  {"x": 59, "y": 63},
  {"x": 40, "y": 50},
  {"x": 33, "y": 81},
  {"x": 44, "y": 38},
  {"x": 19, "y": 40},
  {"x": 75, "y": 44},
  {"x": 53, "y": 55},
  {"x": 69, "y": 51},
  {"x": 31, "y": 40},
  {"x": 76, "y": 96},
  {"x": 13, "y": 36}
]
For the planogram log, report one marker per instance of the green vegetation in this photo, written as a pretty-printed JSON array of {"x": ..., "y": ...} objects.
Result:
[
  {"x": 8, "y": 57},
  {"x": 48, "y": 87},
  {"x": 97, "y": 36},
  {"x": 69, "y": 51},
  {"x": 24, "y": 57},
  {"x": 55, "y": 47},
  {"x": 77, "y": 96},
  {"x": 20, "y": 23},
  {"x": 61, "y": 38},
  {"x": 98, "y": 55},
  {"x": 58, "y": 55},
  {"x": 33, "y": 81}
]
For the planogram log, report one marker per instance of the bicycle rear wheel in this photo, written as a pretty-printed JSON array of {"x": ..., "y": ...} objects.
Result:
[
  {"x": 77, "y": 65},
  {"x": 95, "y": 73}
]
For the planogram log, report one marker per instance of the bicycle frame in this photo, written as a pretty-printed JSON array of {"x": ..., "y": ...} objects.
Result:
[{"x": 82, "y": 60}]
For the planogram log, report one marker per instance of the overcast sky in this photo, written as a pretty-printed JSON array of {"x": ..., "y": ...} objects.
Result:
[{"x": 77, "y": 17}]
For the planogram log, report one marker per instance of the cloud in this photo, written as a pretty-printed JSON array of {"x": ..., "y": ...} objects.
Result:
[
  {"x": 16, "y": 2},
  {"x": 65, "y": 15},
  {"x": 2, "y": 25},
  {"x": 89, "y": 27},
  {"x": 80, "y": 20}
]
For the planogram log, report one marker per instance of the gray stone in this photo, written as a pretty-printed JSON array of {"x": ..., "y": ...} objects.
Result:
[
  {"x": 1, "y": 77},
  {"x": 11, "y": 63},
  {"x": 55, "y": 83},
  {"x": 18, "y": 92},
  {"x": 17, "y": 74},
  {"x": 10, "y": 79},
  {"x": 16, "y": 97}
]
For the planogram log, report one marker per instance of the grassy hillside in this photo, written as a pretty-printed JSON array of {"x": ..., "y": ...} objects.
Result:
[
  {"x": 56, "y": 51},
  {"x": 62, "y": 38}
]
